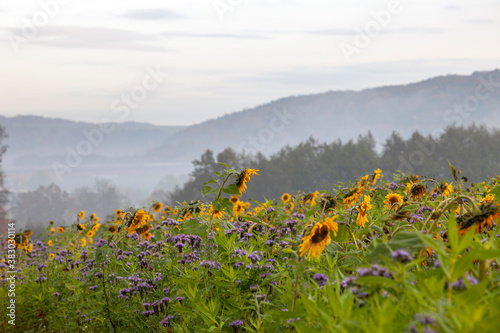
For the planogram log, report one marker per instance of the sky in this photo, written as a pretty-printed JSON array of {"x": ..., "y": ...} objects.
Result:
[{"x": 180, "y": 62}]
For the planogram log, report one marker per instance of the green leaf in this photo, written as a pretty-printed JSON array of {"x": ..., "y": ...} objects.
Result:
[
  {"x": 410, "y": 241},
  {"x": 496, "y": 192},
  {"x": 223, "y": 204},
  {"x": 453, "y": 171},
  {"x": 207, "y": 190},
  {"x": 210, "y": 181},
  {"x": 344, "y": 234},
  {"x": 231, "y": 189},
  {"x": 224, "y": 164},
  {"x": 462, "y": 265},
  {"x": 193, "y": 227}
]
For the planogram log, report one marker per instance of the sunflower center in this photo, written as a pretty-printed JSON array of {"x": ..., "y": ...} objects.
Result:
[{"x": 320, "y": 234}]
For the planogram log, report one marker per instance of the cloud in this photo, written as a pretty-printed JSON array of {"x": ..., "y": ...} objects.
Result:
[
  {"x": 211, "y": 35},
  {"x": 97, "y": 37},
  {"x": 479, "y": 21},
  {"x": 152, "y": 14},
  {"x": 347, "y": 32}
]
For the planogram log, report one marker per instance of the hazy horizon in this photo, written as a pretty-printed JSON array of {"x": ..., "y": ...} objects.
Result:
[{"x": 79, "y": 61}]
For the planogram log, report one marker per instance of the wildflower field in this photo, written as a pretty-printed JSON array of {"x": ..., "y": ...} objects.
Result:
[{"x": 410, "y": 255}]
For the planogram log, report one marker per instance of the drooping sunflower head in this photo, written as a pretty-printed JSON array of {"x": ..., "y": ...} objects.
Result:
[
  {"x": 328, "y": 203},
  {"x": 311, "y": 198},
  {"x": 362, "y": 211},
  {"x": 140, "y": 218},
  {"x": 81, "y": 215},
  {"x": 244, "y": 177},
  {"x": 157, "y": 207},
  {"x": 417, "y": 191},
  {"x": 285, "y": 197},
  {"x": 80, "y": 226},
  {"x": 484, "y": 220},
  {"x": 27, "y": 233},
  {"x": 112, "y": 229},
  {"x": 447, "y": 189},
  {"x": 60, "y": 230},
  {"x": 393, "y": 199}
]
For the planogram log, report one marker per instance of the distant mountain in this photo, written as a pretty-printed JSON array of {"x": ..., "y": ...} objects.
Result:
[
  {"x": 140, "y": 155},
  {"x": 426, "y": 106},
  {"x": 33, "y": 139}
]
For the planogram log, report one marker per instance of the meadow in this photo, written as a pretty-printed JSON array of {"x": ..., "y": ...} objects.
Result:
[{"x": 409, "y": 255}]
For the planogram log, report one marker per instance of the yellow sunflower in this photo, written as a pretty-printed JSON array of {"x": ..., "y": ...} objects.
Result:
[
  {"x": 50, "y": 243},
  {"x": 92, "y": 216},
  {"x": 376, "y": 175},
  {"x": 285, "y": 197},
  {"x": 244, "y": 177},
  {"x": 81, "y": 215},
  {"x": 83, "y": 242},
  {"x": 362, "y": 211},
  {"x": 140, "y": 218},
  {"x": 112, "y": 229},
  {"x": 238, "y": 208},
  {"x": 488, "y": 213},
  {"x": 60, "y": 230},
  {"x": 392, "y": 199},
  {"x": 118, "y": 212},
  {"x": 90, "y": 233},
  {"x": 157, "y": 207},
  {"x": 234, "y": 199},
  {"x": 289, "y": 207},
  {"x": 52, "y": 231},
  {"x": 318, "y": 238},
  {"x": 448, "y": 189}
]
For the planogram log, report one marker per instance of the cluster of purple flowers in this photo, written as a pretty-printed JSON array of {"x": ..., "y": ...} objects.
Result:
[
  {"x": 210, "y": 264},
  {"x": 321, "y": 279},
  {"x": 402, "y": 256}
]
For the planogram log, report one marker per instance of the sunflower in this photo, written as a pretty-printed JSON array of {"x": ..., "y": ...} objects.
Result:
[
  {"x": 393, "y": 199},
  {"x": 417, "y": 191},
  {"x": 363, "y": 182},
  {"x": 140, "y": 218},
  {"x": 285, "y": 197},
  {"x": 148, "y": 235},
  {"x": 92, "y": 216},
  {"x": 81, "y": 215},
  {"x": 289, "y": 207},
  {"x": 311, "y": 198},
  {"x": 247, "y": 205},
  {"x": 52, "y": 231},
  {"x": 50, "y": 243},
  {"x": 175, "y": 211},
  {"x": 234, "y": 199},
  {"x": 376, "y": 175},
  {"x": 244, "y": 177},
  {"x": 488, "y": 213},
  {"x": 28, "y": 233},
  {"x": 60, "y": 230},
  {"x": 90, "y": 233},
  {"x": 96, "y": 227},
  {"x": 318, "y": 238},
  {"x": 362, "y": 211},
  {"x": 83, "y": 241},
  {"x": 352, "y": 197},
  {"x": 112, "y": 229},
  {"x": 157, "y": 207},
  {"x": 118, "y": 212},
  {"x": 218, "y": 214},
  {"x": 448, "y": 189},
  {"x": 238, "y": 208},
  {"x": 488, "y": 198},
  {"x": 143, "y": 229},
  {"x": 51, "y": 255}
]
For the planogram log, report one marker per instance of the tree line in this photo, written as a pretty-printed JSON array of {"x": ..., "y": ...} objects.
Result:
[{"x": 313, "y": 165}]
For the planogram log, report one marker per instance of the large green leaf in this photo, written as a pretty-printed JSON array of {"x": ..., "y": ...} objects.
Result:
[
  {"x": 409, "y": 241},
  {"x": 344, "y": 234}
]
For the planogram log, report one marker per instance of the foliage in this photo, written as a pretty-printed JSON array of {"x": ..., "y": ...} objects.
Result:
[
  {"x": 312, "y": 165},
  {"x": 425, "y": 263}
]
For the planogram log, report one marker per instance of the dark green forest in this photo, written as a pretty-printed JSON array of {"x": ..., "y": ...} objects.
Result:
[{"x": 314, "y": 165}]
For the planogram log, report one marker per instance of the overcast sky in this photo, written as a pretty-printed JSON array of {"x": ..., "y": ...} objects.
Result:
[{"x": 81, "y": 60}]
